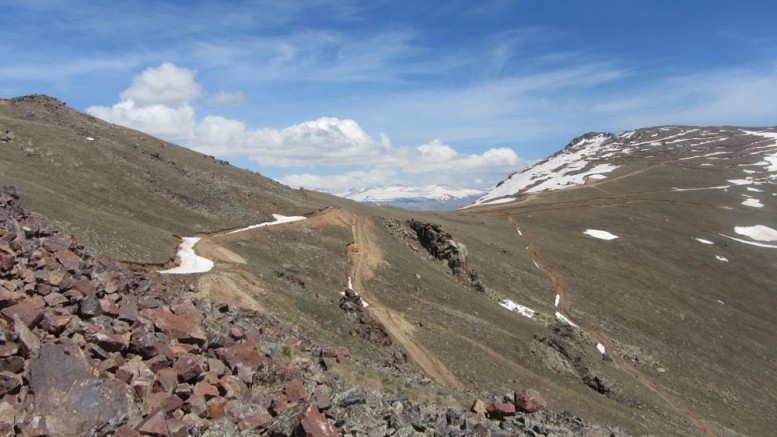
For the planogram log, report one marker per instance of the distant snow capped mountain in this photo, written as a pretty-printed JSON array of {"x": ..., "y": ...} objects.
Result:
[
  {"x": 432, "y": 197},
  {"x": 590, "y": 157}
]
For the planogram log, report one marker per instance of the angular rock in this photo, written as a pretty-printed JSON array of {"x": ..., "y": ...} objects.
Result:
[
  {"x": 188, "y": 367},
  {"x": 256, "y": 421},
  {"x": 313, "y": 424},
  {"x": 500, "y": 410},
  {"x": 205, "y": 390},
  {"x": 30, "y": 311},
  {"x": 28, "y": 342},
  {"x": 295, "y": 391},
  {"x": 154, "y": 424},
  {"x": 175, "y": 326},
  {"x": 479, "y": 408},
  {"x": 9, "y": 382},
  {"x": 529, "y": 400},
  {"x": 242, "y": 353},
  {"x": 63, "y": 384}
]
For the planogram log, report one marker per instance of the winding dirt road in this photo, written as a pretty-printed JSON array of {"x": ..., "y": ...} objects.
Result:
[
  {"x": 363, "y": 257},
  {"x": 565, "y": 302}
]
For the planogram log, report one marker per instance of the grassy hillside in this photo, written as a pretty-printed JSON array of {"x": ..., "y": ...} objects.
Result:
[{"x": 122, "y": 192}]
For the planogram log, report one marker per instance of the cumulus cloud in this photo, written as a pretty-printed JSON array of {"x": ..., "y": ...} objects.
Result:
[
  {"x": 224, "y": 98},
  {"x": 157, "y": 102},
  {"x": 326, "y": 141}
]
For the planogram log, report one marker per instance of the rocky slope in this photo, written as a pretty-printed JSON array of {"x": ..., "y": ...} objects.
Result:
[{"x": 89, "y": 349}]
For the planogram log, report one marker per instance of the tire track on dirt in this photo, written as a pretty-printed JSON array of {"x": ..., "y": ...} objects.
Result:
[
  {"x": 565, "y": 302},
  {"x": 363, "y": 257}
]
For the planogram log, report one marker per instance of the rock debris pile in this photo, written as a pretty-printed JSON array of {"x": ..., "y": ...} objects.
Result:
[{"x": 89, "y": 349}]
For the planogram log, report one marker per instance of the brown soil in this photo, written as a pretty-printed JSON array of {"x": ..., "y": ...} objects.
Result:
[{"x": 363, "y": 257}]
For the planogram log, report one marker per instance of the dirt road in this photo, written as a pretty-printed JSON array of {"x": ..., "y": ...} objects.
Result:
[{"x": 363, "y": 257}]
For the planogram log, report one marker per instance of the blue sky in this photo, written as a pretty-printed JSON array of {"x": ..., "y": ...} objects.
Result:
[{"x": 341, "y": 94}]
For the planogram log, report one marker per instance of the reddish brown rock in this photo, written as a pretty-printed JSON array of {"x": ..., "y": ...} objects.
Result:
[
  {"x": 217, "y": 407},
  {"x": 28, "y": 342},
  {"x": 280, "y": 404},
  {"x": 529, "y": 400},
  {"x": 295, "y": 391},
  {"x": 9, "y": 297},
  {"x": 126, "y": 431},
  {"x": 217, "y": 366},
  {"x": 187, "y": 310},
  {"x": 313, "y": 424},
  {"x": 166, "y": 380},
  {"x": 232, "y": 387},
  {"x": 500, "y": 410},
  {"x": 175, "y": 326},
  {"x": 188, "y": 366},
  {"x": 154, "y": 424},
  {"x": 30, "y": 311},
  {"x": 242, "y": 353},
  {"x": 205, "y": 390},
  {"x": 256, "y": 421},
  {"x": 54, "y": 299},
  {"x": 9, "y": 382},
  {"x": 68, "y": 259}
]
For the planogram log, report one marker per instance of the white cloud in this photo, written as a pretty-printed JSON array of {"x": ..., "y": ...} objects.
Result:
[
  {"x": 157, "y": 102},
  {"x": 158, "y": 120},
  {"x": 326, "y": 141},
  {"x": 226, "y": 98},
  {"x": 167, "y": 85}
]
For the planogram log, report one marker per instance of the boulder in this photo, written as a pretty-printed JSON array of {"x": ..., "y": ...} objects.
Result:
[
  {"x": 63, "y": 385},
  {"x": 500, "y": 410},
  {"x": 313, "y": 424},
  {"x": 177, "y": 327},
  {"x": 529, "y": 400}
]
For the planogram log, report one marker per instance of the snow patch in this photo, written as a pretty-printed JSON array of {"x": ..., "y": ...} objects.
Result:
[
  {"x": 520, "y": 309},
  {"x": 600, "y": 347},
  {"x": 189, "y": 262},
  {"x": 722, "y": 187},
  {"x": 350, "y": 287},
  {"x": 562, "y": 318},
  {"x": 278, "y": 220},
  {"x": 701, "y": 240},
  {"x": 757, "y": 232},
  {"x": 602, "y": 235},
  {"x": 755, "y": 203},
  {"x": 721, "y": 258},
  {"x": 558, "y": 299},
  {"x": 89, "y": 139}
]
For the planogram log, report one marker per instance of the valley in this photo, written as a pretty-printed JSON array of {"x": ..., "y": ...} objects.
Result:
[{"x": 680, "y": 302}]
